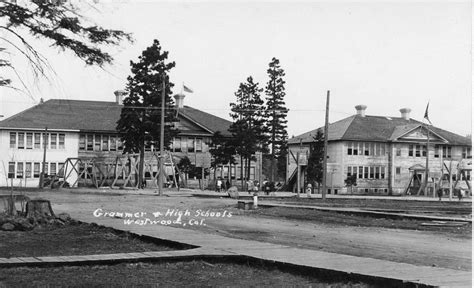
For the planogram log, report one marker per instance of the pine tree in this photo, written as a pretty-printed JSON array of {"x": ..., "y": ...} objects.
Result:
[
  {"x": 222, "y": 151},
  {"x": 140, "y": 119},
  {"x": 276, "y": 113},
  {"x": 314, "y": 170},
  {"x": 248, "y": 130}
]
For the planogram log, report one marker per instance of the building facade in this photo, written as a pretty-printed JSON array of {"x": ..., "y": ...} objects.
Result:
[
  {"x": 74, "y": 129},
  {"x": 386, "y": 155}
]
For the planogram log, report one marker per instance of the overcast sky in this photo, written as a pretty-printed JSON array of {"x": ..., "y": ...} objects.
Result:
[{"x": 384, "y": 55}]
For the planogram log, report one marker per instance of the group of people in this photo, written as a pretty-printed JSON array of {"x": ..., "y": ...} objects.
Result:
[{"x": 221, "y": 186}]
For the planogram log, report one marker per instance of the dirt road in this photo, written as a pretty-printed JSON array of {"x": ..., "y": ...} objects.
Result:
[{"x": 408, "y": 246}]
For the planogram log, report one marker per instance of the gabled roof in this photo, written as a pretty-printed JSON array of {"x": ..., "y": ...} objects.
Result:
[
  {"x": 97, "y": 116},
  {"x": 207, "y": 121},
  {"x": 376, "y": 128}
]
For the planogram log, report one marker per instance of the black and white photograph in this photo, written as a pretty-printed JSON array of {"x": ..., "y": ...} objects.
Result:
[{"x": 195, "y": 143}]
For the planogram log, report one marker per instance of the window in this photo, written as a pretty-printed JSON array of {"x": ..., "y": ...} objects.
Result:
[
  {"x": 355, "y": 150},
  {"x": 21, "y": 140},
  {"x": 377, "y": 172},
  {"x": 11, "y": 170},
  {"x": 28, "y": 170},
  {"x": 252, "y": 173},
  {"x": 398, "y": 170},
  {"x": 90, "y": 142},
  {"x": 12, "y": 139},
  {"x": 184, "y": 142},
  {"x": 29, "y": 140},
  {"x": 446, "y": 152},
  {"x": 97, "y": 141},
  {"x": 198, "y": 145},
  {"x": 19, "y": 170},
  {"x": 372, "y": 149},
  {"x": 177, "y": 144},
  {"x": 424, "y": 150},
  {"x": 54, "y": 140},
  {"x": 466, "y": 153},
  {"x": 61, "y": 141},
  {"x": 53, "y": 169},
  {"x": 225, "y": 172},
  {"x": 366, "y": 172},
  {"x": 368, "y": 147},
  {"x": 418, "y": 151},
  {"x": 190, "y": 144},
  {"x": 232, "y": 172},
  {"x": 399, "y": 152},
  {"x": 37, "y": 140},
  {"x": 82, "y": 142},
  {"x": 349, "y": 171},
  {"x": 45, "y": 140},
  {"x": 46, "y": 165},
  {"x": 36, "y": 170},
  {"x": 119, "y": 144},
  {"x": 382, "y": 172},
  {"x": 371, "y": 176},
  {"x": 113, "y": 144},
  {"x": 105, "y": 143},
  {"x": 436, "y": 151},
  {"x": 361, "y": 172}
]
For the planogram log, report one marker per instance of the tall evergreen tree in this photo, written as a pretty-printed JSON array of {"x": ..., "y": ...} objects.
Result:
[
  {"x": 248, "y": 129},
  {"x": 276, "y": 113},
  {"x": 140, "y": 119},
  {"x": 222, "y": 151},
  {"x": 314, "y": 169}
]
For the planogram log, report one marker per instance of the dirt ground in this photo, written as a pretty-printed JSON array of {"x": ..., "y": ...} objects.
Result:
[
  {"x": 418, "y": 247},
  {"x": 180, "y": 274},
  {"x": 78, "y": 239}
]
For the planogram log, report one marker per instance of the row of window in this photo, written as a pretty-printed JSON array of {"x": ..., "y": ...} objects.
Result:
[
  {"x": 189, "y": 144},
  {"x": 235, "y": 172},
  {"x": 420, "y": 151},
  {"x": 379, "y": 149},
  {"x": 32, "y": 169},
  {"x": 36, "y": 140},
  {"x": 99, "y": 142},
  {"x": 366, "y": 172},
  {"x": 366, "y": 148}
]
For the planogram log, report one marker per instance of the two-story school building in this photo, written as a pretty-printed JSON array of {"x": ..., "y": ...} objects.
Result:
[
  {"x": 387, "y": 154},
  {"x": 86, "y": 130}
]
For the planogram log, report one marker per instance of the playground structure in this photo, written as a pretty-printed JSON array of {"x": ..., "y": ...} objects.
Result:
[
  {"x": 454, "y": 175},
  {"x": 121, "y": 172}
]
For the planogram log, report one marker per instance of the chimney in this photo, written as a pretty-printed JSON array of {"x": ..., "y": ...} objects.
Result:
[
  {"x": 361, "y": 110},
  {"x": 179, "y": 100},
  {"x": 405, "y": 113},
  {"x": 119, "y": 94}
]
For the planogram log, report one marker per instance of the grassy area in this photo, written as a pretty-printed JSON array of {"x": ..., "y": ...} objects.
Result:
[
  {"x": 175, "y": 274},
  {"x": 75, "y": 239}
]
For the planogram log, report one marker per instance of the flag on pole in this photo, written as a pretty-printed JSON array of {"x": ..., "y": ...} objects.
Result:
[
  {"x": 186, "y": 89},
  {"x": 426, "y": 113}
]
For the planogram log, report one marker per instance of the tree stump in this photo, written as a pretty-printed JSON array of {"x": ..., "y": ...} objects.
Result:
[{"x": 39, "y": 208}]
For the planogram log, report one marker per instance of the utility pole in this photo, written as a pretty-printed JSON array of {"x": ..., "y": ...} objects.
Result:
[
  {"x": 45, "y": 144},
  {"x": 162, "y": 139},
  {"x": 427, "y": 162},
  {"x": 325, "y": 159}
]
